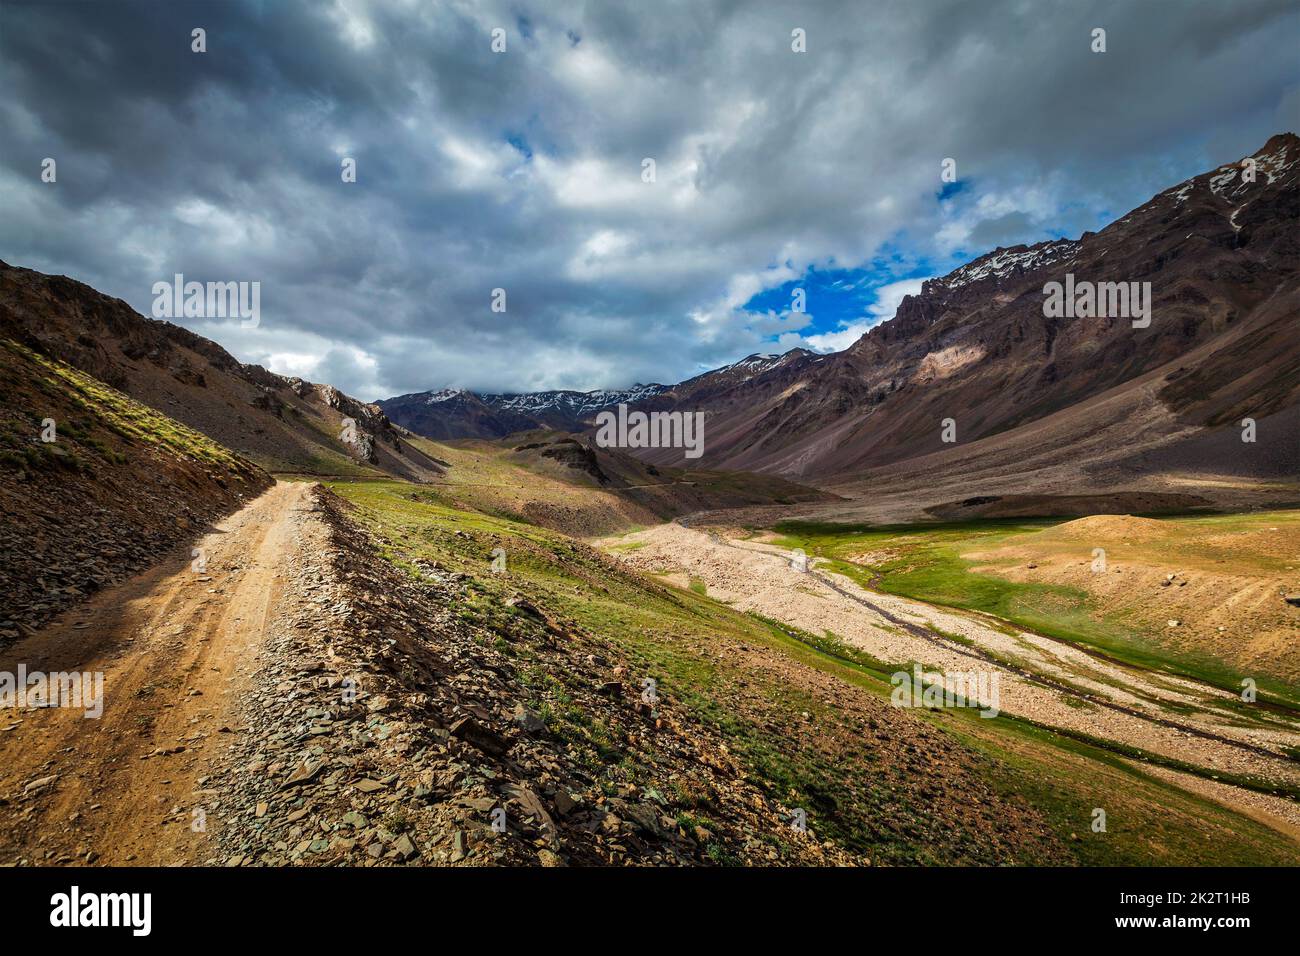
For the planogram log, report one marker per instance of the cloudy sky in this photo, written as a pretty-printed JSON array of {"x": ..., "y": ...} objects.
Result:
[{"x": 523, "y": 170}]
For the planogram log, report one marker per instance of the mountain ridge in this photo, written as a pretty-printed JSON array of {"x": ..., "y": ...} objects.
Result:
[
  {"x": 974, "y": 345},
  {"x": 452, "y": 413},
  {"x": 282, "y": 423}
]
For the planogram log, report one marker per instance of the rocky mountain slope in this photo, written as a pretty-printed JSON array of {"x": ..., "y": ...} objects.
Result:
[
  {"x": 1222, "y": 257},
  {"x": 115, "y": 486},
  {"x": 283, "y": 424},
  {"x": 1058, "y": 398}
]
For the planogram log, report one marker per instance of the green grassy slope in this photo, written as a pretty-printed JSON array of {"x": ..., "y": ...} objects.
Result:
[
  {"x": 812, "y": 724},
  {"x": 88, "y": 406}
]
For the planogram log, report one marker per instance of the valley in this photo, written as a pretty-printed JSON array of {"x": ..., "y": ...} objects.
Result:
[
  {"x": 463, "y": 629},
  {"x": 352, "y": 679},
  {"x": 1169, "y": 719}
]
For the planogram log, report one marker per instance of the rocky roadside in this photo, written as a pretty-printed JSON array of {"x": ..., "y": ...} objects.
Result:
[
  {"x": 63, "y": 542},
  {"x": 384, "y": 729},
  {"x": 93, "y": 507}
]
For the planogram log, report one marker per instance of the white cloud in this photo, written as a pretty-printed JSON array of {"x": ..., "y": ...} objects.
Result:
[
  {"x": 768, "y": 163},
  {"x": 353, "y": 23},
  {"x": 828, "y": 341},
  {"x": 890, "y": 296}
]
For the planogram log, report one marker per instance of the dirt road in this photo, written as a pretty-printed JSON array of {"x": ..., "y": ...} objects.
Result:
[
  {"x": 1051, "y": 682},
  {"x": 176, "y": 647}
]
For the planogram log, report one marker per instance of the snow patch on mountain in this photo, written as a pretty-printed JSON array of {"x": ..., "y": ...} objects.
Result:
[
  {"x": 761, "y": 362},
  {"x": 571, "y": 403},
  {"x": 1017, "y": 259}
]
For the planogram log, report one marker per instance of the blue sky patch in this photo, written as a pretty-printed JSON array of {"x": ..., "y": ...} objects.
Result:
[{"x": 835, "y": 297}]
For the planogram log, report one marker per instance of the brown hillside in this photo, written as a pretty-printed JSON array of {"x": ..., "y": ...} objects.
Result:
[
  {"x": 284, "y": 424},
  {"x": 118, "y": 487}
]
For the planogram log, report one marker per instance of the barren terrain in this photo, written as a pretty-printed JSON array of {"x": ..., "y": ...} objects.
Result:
[
  {"x": 301, "y": 700},
  {"x": 1212, "y": 585}
]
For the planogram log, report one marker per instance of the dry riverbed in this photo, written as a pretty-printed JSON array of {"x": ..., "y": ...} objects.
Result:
[{"x": 1048, "y": 681}]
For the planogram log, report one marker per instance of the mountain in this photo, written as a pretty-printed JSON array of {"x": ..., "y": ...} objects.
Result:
[
  {"x": 95, "y": 486},
  {"x": 458, "y": 413},
  {"x": 1027, "y": 391},
  {"x": 283, "y": 424},
  {"x": 558, "y": 409}
]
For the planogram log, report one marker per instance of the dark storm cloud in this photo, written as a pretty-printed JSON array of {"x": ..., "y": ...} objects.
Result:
[{"x": 522, "y": 170}]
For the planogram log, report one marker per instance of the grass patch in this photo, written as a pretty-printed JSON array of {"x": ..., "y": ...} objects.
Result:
[
  {"x": 924, "y": 562},
  {"x": 110, "y": 409}
]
